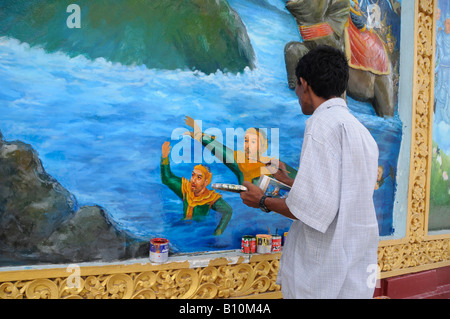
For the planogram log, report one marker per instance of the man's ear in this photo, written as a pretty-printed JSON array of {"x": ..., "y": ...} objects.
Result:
[
  {"x": 303, "y": 83},
  {"x": 306, "y": 87}
]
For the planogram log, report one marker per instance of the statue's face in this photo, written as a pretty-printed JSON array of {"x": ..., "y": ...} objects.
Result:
[
  {"x": 390, "y": 45},
  {"x": 197, "y": 181}
]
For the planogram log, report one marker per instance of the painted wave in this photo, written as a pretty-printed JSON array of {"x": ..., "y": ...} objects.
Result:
[{"x": 204, "y": 35}]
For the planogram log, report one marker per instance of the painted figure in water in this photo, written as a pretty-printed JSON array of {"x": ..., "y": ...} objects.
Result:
[
  {"x": 197, "y": 199},
  {"x": 248, "y": 165}
]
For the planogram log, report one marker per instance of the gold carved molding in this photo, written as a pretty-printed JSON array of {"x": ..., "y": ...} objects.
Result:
[
  {"x": 242, "y": 278},
  {"x": 418, "y": 250}
]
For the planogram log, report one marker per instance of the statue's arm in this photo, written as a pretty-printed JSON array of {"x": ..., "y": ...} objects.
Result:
[{"x": 337, "y": 15}]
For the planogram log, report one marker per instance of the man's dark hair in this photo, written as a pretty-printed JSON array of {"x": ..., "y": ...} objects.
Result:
[{"x": 325, "y": 69}]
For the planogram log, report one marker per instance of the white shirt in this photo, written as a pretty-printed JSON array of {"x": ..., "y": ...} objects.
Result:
[{"x": 330, "y": 251}]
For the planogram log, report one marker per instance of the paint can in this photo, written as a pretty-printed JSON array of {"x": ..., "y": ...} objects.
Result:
[
  {"x": 159, "y": 250},
  {"x": 276, "y": 243},
  {"x": 253, "y": 245},
  {"x": 248, "y": 245},
  {"x": 263, "y": 244}
]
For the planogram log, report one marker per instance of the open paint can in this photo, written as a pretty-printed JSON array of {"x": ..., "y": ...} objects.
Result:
[
  {"x": 159, "y": 250},
  {"x": 263, "y": 244},
  {"x": 276, "y": 243}
]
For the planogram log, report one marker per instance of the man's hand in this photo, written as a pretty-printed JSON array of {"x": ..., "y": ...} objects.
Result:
[
  {"x": 278, "y": 170},
  {"x": 165, "y": 149},
  {"x": 189, "y": 121},
  {"x": 252, "y": 196},
  {"x": 197, "y": 133}
]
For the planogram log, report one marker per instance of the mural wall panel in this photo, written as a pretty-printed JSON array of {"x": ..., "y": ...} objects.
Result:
[{"x": 115, "y": 116}]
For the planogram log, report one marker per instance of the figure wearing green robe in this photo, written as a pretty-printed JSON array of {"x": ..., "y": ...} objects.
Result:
[
  {"x": 236, "y": 161},
  {"x": 196, "y": 207},
  {"x": 248, "y": 165}
]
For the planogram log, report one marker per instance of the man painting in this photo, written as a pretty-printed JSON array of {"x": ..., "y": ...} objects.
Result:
[{"x": 333, "y": 239}]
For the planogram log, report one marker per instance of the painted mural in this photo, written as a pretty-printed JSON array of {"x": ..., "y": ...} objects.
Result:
[
  {"x": 439, "y": 218},
  {"x": 118, "y": 115}
]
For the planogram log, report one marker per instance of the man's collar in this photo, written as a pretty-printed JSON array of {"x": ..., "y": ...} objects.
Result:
[{"x": 337, "y": 101}]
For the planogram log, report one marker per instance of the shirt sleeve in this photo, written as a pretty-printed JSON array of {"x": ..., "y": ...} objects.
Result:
[{"x": 315, "y": 194}]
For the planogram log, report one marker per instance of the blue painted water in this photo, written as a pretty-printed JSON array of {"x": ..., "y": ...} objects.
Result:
[{"x": 98, "y": 128}]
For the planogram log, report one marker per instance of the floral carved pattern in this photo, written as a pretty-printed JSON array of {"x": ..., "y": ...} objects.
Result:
[{"x": 224, "y": 281}]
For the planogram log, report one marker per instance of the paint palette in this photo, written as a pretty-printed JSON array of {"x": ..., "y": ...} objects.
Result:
[{"x": 229, "y": 187}]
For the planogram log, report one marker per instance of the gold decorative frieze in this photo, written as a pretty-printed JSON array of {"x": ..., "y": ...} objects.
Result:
[{"x": 218, "y": 279}]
